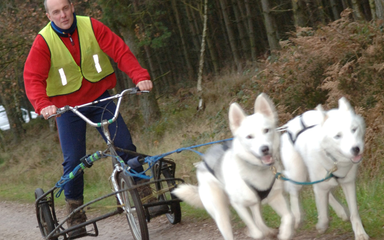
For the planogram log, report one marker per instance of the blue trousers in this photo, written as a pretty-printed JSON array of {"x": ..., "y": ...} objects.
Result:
[{"x": 72, "y": 135}]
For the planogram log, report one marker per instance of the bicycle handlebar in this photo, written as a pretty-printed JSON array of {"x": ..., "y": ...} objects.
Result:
[{"x": 118, "y": 96}]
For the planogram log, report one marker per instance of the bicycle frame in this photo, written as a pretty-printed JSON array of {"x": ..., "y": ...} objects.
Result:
[{"x": 118, "y": 167}]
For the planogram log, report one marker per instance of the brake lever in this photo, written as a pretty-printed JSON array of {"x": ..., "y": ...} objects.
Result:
[{"x": 59, "y": 111}]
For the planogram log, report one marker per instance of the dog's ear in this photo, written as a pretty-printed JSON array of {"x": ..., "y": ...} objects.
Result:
[
  {"x": 236, "y": 116},
  {"x": 264, "y": 105},
  {"x": 320, "y": 108},
  {"x": 345, "y": 105},
  {"x": 323, "y": 113}
]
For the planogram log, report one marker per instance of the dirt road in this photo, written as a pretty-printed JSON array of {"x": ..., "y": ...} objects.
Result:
[{"x": 18, "y": 222}]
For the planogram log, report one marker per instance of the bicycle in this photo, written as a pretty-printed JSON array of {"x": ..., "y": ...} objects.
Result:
[{"x": 129, "y": 201}]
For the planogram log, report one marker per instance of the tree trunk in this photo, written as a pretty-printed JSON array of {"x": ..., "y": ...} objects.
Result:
[
  {"x": 195, "y": 39},
  {"x": 211, "y": 46},
  {"x": 221, "y": 31},
  {"x": 298, "y": 7},
  {"x": 149, "y": 106},
  {"x": 201, "y": 64},
  {"x": 345, "y": 4},
  {"x": 251, "y": 32},
  {"x": 335, "y": 12},
  {"x": 372, "y": 6},
  {"x": 321, "y": 11},
  {"x": 270, "y": 26},
  {"x": 213, "y": 54},
  {"x": 311, "y": 13},
  {"x": 379, "y": 9},
  {"x": 183, "y": 40},
  {"x": 357, "y": 11},
  {"x": 240, "y": 28},
  {"x": 231, "y": 35}
]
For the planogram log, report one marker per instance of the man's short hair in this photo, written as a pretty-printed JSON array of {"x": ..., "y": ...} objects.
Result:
[{"x": 46, "y": 8}]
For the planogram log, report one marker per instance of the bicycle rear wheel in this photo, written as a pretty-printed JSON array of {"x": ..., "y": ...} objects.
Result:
[
  {"x": 164, "y": 187},
  {"x": 44, "y": 216},
  {"x": 133, "y": 208}
]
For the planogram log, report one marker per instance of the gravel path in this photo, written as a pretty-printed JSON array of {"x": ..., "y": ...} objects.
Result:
[{"x": 18, "y": 222}]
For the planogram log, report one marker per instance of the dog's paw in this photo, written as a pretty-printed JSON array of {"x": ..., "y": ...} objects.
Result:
[
  {"x": 362, "y": 237},
  {"x": 254, "y": 233},
  {"x": 345, "y": 218},
  {"x": 322, "y": 227}
]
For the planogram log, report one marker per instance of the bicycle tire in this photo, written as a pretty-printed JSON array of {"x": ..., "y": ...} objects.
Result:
[
  {"x": 174, "y": 216},
  {"x": 133, "y": 208},
  {"x": 44, "y": 215}
]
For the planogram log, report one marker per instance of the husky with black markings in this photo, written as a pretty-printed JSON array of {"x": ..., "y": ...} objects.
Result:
[
  {"x": 239, "y": 173},
  {"x": 317, "y": 144}
]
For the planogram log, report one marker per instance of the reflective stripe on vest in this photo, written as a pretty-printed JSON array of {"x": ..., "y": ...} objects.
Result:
[{"x": 65, "y": 76}]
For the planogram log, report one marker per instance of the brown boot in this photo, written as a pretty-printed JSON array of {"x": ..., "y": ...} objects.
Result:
[
  {"x": 147, "y": 196},
  {"x": 76, "y": 218},
  {"x": 145, "y": 192}
]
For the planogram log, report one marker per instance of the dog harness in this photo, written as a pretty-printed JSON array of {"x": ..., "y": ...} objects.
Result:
[
  {"x": 293, "y": 140},
  {"x": 291, "y": 135},
  {"x": 219, "y": 151},
  {"x": 262, "y": 194}
]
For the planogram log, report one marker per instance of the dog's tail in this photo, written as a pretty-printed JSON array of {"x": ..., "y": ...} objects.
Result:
[{"x": 189, "y": 194}]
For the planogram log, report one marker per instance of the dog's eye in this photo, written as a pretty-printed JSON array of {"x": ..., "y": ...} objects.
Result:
[
  {"x": 354, "y": 130},
  {"x": 337, "y": 136},
  {"x": 266, "y": 130},
  {"x": 249, "y": 137}
]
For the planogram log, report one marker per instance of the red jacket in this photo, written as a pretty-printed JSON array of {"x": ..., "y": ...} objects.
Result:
[{"x": 39, "y": 62}]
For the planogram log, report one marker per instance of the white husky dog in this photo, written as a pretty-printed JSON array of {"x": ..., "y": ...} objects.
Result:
[
  {"x": 239, "y": 173},
  {"x": 316, "y": 144}
]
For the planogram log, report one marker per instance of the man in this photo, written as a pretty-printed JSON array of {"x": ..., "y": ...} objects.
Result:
[{"x": 68, "y": 64}]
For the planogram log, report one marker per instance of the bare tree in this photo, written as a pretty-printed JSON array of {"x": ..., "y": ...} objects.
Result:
[
  {"x": 270, "y": 26},
  {"x": 298, "y": 7},
  {"x": 201, "y": 64},
  {"x": 357, "y": 11},
  {"x": 335, "y": 12},
  {"x": 231, "y": 34},
  {"x": 240, "y": 27},
  {"x": 379, "y": 9},
  {"x": 183, "y": 40},
  {"x": 250, "y": 30}
]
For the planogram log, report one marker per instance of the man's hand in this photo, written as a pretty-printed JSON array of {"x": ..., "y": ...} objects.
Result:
[
  {"x": 48, "y": 111},
  {"x": 145, "y": 85}
]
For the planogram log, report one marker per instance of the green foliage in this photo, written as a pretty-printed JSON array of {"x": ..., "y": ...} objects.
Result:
[
  {"x": 156, "y": 36},
  {"x": 146, "y": 20}
]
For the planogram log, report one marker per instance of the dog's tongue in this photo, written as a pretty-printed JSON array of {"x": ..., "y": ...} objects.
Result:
[
  {"x": 267, "y": 159},
  {"x": 357, "y": 158}
]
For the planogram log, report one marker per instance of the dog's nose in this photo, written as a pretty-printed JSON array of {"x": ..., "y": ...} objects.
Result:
[
  {"x": 265, "y": 150},
  {"x": 355, "y": 151}
]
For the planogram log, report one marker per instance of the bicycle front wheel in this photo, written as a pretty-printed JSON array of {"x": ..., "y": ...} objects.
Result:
[{"x": 133, "y": 207}]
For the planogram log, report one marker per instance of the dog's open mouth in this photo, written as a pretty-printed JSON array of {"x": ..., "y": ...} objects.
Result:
[
  {"x": 357, "y": 159},
  {"x": 267, "y": 160}
]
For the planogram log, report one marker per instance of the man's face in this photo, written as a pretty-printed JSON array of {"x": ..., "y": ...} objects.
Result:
[{"x": 61, "y": 13}]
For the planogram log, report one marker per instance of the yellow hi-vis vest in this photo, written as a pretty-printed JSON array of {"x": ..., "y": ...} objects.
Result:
[{"x": 65, "y": 76}]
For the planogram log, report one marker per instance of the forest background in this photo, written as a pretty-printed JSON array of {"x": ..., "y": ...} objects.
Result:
[{"x": 300, "y": 52}]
